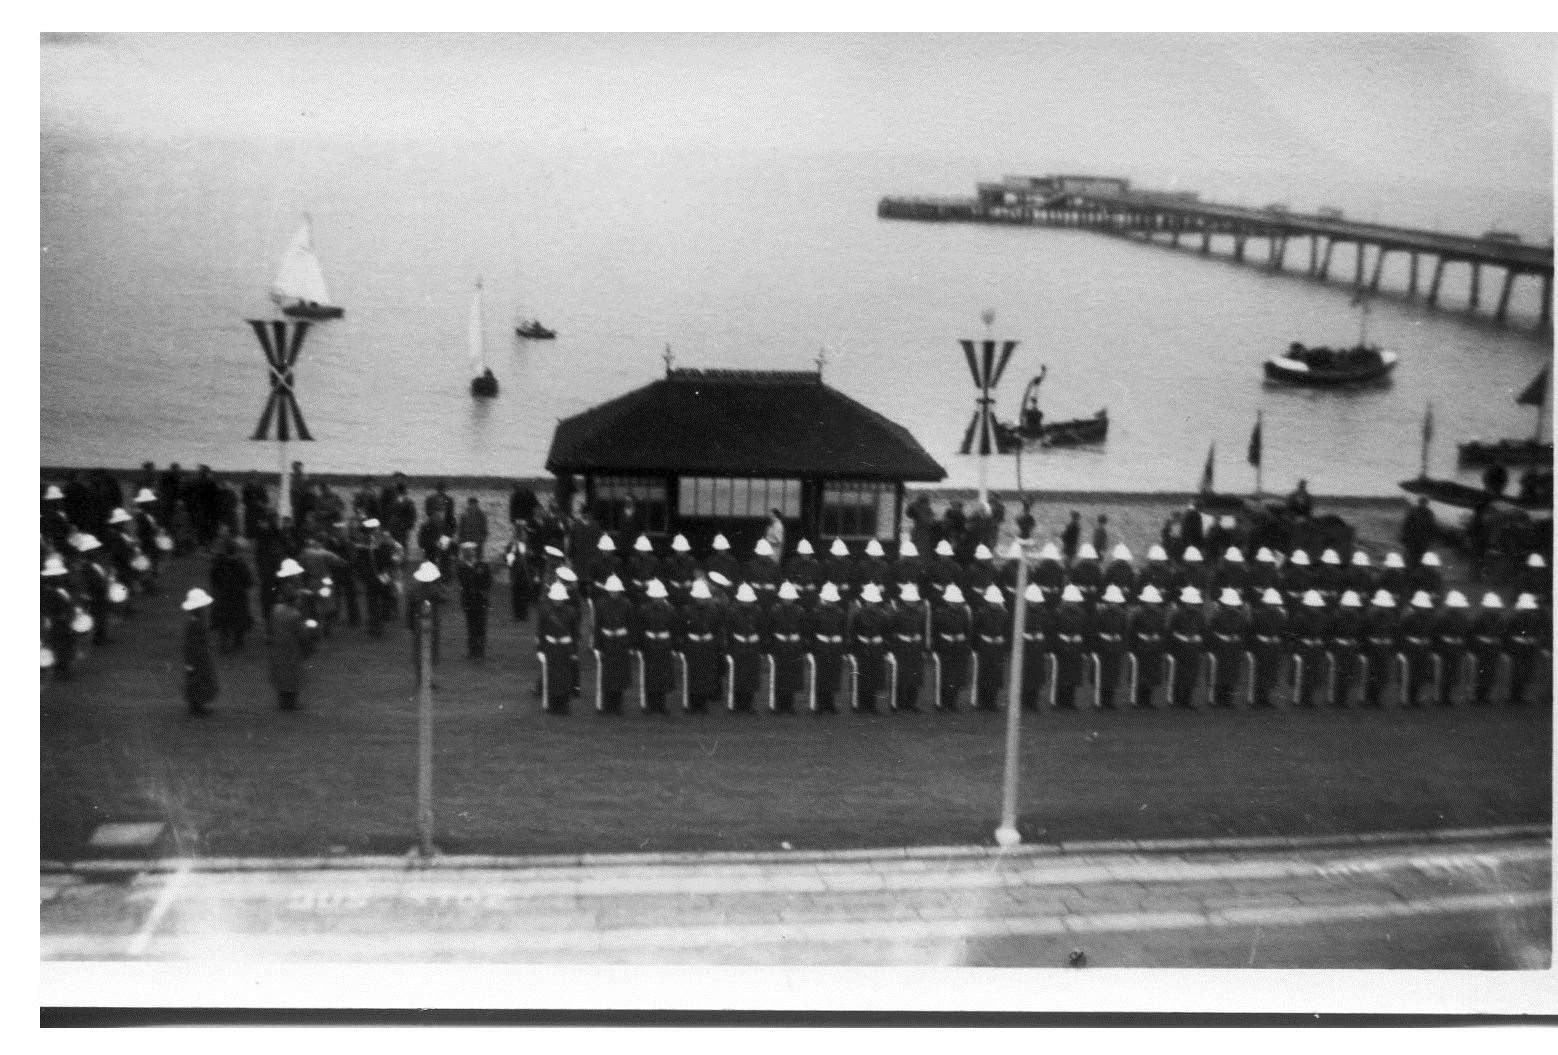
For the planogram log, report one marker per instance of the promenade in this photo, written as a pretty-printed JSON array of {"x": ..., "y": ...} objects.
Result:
[{"x": 1446, "y": 900}]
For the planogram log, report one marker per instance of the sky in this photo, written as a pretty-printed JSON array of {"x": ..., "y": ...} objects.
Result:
[{"x": 1167, "y": 109}]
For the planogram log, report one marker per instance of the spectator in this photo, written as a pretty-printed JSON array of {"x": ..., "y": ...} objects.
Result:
[
  {"x": 1071, "y": 537},
  {"x": 1300, "y": 503},
  {"x": 1418, "y": 531},
  {"x": 1101, "y": 534}
]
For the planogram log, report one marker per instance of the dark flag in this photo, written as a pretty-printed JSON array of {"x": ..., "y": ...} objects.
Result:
[
  {"x": 1535, "y": 394},
  {"x": 1254, "y": 453},
  {"x": 1206, "y": 473}
]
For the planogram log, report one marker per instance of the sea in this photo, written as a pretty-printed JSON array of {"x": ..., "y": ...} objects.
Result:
[{"x": 154, "y": 252}]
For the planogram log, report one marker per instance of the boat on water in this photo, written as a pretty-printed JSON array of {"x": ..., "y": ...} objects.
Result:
[
  {"x": 1302, "y": 365},
  {"x": 1324, "y": 366},
  {"x": 1033, "y": 431},
  {"x": 534, "y": 331},
  {"x": 300, "y": 282},
  {"x": 484, "y": 385},
  {"x": 1532, "y": 451}
]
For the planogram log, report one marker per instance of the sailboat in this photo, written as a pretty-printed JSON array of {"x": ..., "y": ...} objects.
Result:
[
  {"x": 1531, "y": 451},
  {"x": 484, "y": 385},
  {"x": 300, "y": 284}
]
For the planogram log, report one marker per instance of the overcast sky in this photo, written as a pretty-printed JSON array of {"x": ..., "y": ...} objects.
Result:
[{"x": 1456, "y": 109}]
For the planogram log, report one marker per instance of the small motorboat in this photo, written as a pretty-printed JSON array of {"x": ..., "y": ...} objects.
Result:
[
  {"x": 1302, "y": 365},
  {"x": 485, "y": 386},
  {"x": 1506, "y": 452},
  {"x": 1076, "y": 432},
  {"x": 534, "y": 331}
]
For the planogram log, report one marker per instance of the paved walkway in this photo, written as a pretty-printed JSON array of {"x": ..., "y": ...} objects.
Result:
[{"x": 1473, "y": 899}]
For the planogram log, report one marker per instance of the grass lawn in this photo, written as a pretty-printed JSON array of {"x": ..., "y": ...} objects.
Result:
[{"x": 340, "y": 775}]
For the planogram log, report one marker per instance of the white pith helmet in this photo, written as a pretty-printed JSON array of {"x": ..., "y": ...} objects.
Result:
[
  {"x": 1350, "y": 599},
  {"x": 428, "y": 572},
  {"x": 1121, "y": 552},
  {"x": 1394, "y": 560},
  {"x": 870, "y": 594},
  {"x": 53, "y": 565},
  {"x": 1330, "y": 556},
  {"x": 643, "y": 545},
  {"x": 1157, "y": 552},
  {"x": 1535, "y": 561},
  {"x": 1431, "y": 560},
  {"x": 1383, "y": 599},
  {"x": 745, "y": 593},
  {"x": 762, "y": 548},
  {"x": 1492, "y": 600},
  {"x": 567, "y": 574},
  {"x": 907, "y": 548},
  {"x": 838, "y": 549},
  {"x": 605, "y": 545},
  {"x": 557, "y": 592},
  {"x": 1420, "y": 599},
  {"x": 1071, "y": 593},
  {"x": 656, "y": 589},
  {"x": 787, "y": 591},
  {"x": 196, "y": 598},
  {"x": 1150, "y": 595},
  {"x": 829, "y": 592},
  {"x": 1225, "y": 522},
  {"x": 953, "y": 595},
  {"x": 982, "y": 552},
  {"x": 943, "y": 548},
  {"x": 1233, "y": 556},
  {"x": 1360, "y": 559},
  {"x": 553, "y": 551},
  {"x": 288, "y": 569},
  {"x": 993, "y": 595},
  {"x": 1265, "y": 556},
  {"x": 146, "y": 494},
  {"x": 1014, "y": 551},
  {"x": 371, "y": 523},
  {"x": 1526, "y": 602},
  {"x": 613, "y": 584},
  {"x": 1087, "y": 552},
  {"x": 909, "y": 592},
  {"x": 1113, "y": 595},
  {"x": 1033, "y": 594},
  {"x": 873, "y": 548},
  {"x": 1230, "y": 597},
  {"x": 1190, "y": 595},
  {"x": 700, "y": 590},
  {"x": 720, "y": 543},
  {"x": 1192, "y": 555},
  {"x": 720, "y": 579},
  {"x": 1312, "y": 599},
  {"x": 1050, "y": 552},
  {"x": 119, "y": 516},
  {"x": 53, "y": 494},
  {"x": 679, "y": 544},
  {"x": 1271, "y": 596},
  {"x": 1455, "y": 599},
  {"x": 1299, "y": 559},
  {"x": 803, "y": 547}
]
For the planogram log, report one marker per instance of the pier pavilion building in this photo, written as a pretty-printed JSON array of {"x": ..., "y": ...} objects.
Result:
[{"x": 703, "y": 452}]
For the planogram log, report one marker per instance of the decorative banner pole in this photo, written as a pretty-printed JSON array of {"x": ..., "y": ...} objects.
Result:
[
  {"x": 1007, "y": 835},
  {"x": 986, "y": 362},
  {"x": 282, "y": 343}
]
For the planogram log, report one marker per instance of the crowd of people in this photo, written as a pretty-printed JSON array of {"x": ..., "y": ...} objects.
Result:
[{"x": 784, "y": 626}]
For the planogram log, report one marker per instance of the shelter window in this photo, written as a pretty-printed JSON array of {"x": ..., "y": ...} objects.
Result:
[
  {"x": 648, "y": 494},
  {"x": 857, "y": 509},
  {"x": 738, "y": 497}
]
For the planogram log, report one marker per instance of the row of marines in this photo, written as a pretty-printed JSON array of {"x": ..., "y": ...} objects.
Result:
[{"x": 723, "y": 643}]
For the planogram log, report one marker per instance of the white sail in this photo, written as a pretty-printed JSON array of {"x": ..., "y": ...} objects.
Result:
[
  {"x": 476, "y": 337},
  {"x": 300, "y": 277}
]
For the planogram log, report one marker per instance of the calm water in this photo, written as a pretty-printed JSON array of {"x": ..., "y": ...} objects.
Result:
[{"x": 155, "y": 253}]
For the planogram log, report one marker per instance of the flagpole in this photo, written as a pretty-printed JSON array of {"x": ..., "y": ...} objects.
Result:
[
  {"x": 1428, "y": 431},
  {"x": 1260, "y": 455},
  {"x": 283, "y": 492}
]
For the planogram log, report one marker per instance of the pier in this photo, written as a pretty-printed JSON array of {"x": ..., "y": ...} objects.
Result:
[{"x": 1182, "y": 220}]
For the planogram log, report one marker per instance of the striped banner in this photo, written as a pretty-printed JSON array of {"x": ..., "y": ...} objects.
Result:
[
  {"x": 281, "y": 349},
  {"x": 986, "y": 362}
]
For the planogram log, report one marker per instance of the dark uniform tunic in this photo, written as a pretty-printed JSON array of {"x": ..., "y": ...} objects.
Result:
[
  {"x": 287, "y": 648},
  {"x": 949, "y": 642},
  {"x": 1186, "y": 630},
  {"x": 744, "y": 646},
  {"x": 787, "y": 649},
  {"x": 475, "y": 581},
  {"x": 825, "y": 642},
  {"x": 1148, "y": 641},
  {"x": 614, "y": 648},
  {"x": 680, "y": 569},
  {"x": 941, "y": 573},
  {"x": 1231, "y": 575},
  {"x": 383, "y": 559},
  {"x": 1328, "y": 580},
  {"x": 1297, "y": 580},
  {"x": 1309, "y": 628},
  {"x": 721, "y": 561},
  {"x": 59, "y": 609},
  {"x": 1428, "y": 580},
  {"x": 200, "y": 686},
  {"x": 1271, "y": 642},
  {"x": 991, "y": 627},
  {"x": 1380, "y": 648},
  {"x": 906, "y": 639},
  {"x": 230, "y": 582},
  {"x": 905, "y": 570},
  {"x": 842, "y": 572},
  {"x": 1452, "y": 636},
  {"x": 1038, "y": 638},
  {"x": 1049, "y": 576},
  {"x": 1111, "y": 626},
  {"x": 762, "y": 574},
  {"x": 1228, "y": 636},
  {"x": 803, "y": 570},
  {"x": 1361, "y": 579},
  {"x": 1088, "y": 577},
  {"x": 654, "y": 626},
  {"x": 1072, "y": 626},
  {"x": 1417, "y": 644},
  {"x": 1120, "y": 573},
  {"x": 1530, "y": 631},
  {"x": 1262, "y": 576},
  {"x": 703, "y": 651},
  {"x": 869, "y": 627},
  {"x": 1343, "y": 638},
  {"x": 1488, "y": 630},
  {"x": 641, "y": 567},
  {"x": 557, "y": 639}
]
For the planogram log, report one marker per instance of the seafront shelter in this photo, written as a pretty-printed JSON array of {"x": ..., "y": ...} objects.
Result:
[{"x": 702, "y": 452}]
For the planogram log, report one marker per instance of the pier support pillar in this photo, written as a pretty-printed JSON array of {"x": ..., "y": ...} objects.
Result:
[
  {"x": 1325, "y": 261},
  {"x": 1412, "y": 279},
  {"x": 1206, "y": 240},
  {"x": 1503, "y": 297},
  {"x": 1476, "y": 288},
  {"x": 1238, "y": 247},
  {"x": 1545, "y": 310},
  {"x": 1433, "y": 285},
  {"x": 1379, "y": 269},
  {"x": 1314, "y": 253},
  {"x": 1358, "y": 275}
]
